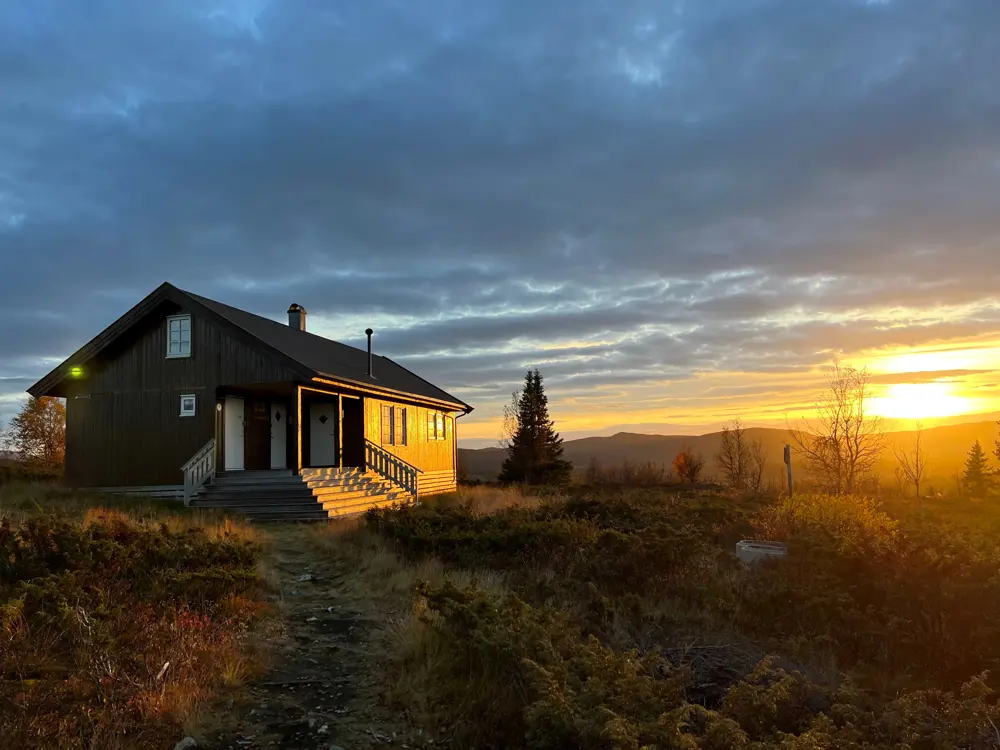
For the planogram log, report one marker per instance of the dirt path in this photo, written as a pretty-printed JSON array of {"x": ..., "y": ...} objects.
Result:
[{"x": 325, "y": 687}]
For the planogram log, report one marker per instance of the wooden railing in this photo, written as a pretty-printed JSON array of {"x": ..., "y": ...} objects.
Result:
[
  {"x": 198, "y": 470},
  {"x": 392, "y": 468}
]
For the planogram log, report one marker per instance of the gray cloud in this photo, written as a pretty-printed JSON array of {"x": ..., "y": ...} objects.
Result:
[{"x": 625, "y": 193}]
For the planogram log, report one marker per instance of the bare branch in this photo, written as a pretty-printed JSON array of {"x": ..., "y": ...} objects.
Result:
[
  {"x": 511, "y": 420},
  {"x": 755, "y": 469},
  {"x": 844, "y": 441},
  {"x": 913, "y": 462}
]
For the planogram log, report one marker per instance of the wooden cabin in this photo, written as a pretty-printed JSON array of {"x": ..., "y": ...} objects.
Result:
[{"x": 183, "y": 395}]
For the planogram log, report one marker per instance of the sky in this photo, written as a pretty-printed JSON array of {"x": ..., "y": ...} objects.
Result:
[{"x": 681, "y": 212}]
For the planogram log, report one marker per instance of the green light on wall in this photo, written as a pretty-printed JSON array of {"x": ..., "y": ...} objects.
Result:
[{"x": 76, "y": 372}]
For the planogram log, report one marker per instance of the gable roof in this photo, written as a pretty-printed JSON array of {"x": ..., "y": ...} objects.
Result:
[{"x": 311, "y": 355}]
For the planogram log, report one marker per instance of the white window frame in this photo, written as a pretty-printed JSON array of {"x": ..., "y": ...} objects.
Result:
[
  {"x": 181, "y": 319},
  {"x": 193, "y": 411}
]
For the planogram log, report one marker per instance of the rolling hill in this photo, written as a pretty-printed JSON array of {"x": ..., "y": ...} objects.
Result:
[{"x": 946, "y": 448}]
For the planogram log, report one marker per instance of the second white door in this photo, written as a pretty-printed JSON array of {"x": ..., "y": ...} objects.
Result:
[
  {"x": 279, "y": 436},
  {"x": 323, "y": 434}
]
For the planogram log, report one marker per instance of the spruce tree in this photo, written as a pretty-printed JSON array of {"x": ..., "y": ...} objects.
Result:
[
  {"x": 976, "y": 471},
  {"x": 535, "y": 450}
]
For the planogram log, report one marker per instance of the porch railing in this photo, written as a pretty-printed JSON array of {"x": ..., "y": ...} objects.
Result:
[
  {"x": 199, "y": 470},
  {"x": 392, "y": 468}
]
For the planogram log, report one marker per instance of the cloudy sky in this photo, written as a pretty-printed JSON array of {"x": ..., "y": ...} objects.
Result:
[{"x": 680, "y": 211}]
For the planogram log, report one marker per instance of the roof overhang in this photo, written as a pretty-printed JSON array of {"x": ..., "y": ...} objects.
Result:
[{"x": 354, "y": 385}]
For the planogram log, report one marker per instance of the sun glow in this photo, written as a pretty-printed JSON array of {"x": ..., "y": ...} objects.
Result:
[{"x": 921, "y": 401}]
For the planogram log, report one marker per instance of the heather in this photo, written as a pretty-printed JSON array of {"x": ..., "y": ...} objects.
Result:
[{"x": 118, "y": 628}]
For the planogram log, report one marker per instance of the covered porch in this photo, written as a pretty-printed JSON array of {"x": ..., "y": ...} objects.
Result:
[
  {"x": 287, "y": 426},
  {"x": 312, "y": 432}
]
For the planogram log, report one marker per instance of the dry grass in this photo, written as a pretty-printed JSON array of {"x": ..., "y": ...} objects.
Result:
[
  {"x": 20, "y": 501},
  {"x": 490, "y": 499},
  {"x": 380, "y": 578},
  {"x": 382, "y": 585},
  {"x": 130, "y": 585}
]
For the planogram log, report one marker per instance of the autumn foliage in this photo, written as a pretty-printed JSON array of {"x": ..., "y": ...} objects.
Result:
[
  {"x": 112, "y": 630},
  {"x": 688, "y": 466},
  {"x": 37, "y": 434}
]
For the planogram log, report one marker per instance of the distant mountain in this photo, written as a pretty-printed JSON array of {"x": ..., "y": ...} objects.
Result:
[{"x": 946, "y": 448}]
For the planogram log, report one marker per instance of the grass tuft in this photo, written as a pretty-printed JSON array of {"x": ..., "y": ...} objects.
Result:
[{"x": 117, "y": 627}]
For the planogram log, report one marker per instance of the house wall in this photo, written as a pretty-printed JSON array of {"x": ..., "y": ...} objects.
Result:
[
  {"x": 127, "y": 430},
  {"x": 436, "y": 458}
]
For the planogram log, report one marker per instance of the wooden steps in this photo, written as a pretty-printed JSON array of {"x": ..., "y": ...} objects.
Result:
[{"x": 316, "y": 495}]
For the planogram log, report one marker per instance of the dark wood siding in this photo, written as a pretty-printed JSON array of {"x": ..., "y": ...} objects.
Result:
[{"x": 128, "y": 431}]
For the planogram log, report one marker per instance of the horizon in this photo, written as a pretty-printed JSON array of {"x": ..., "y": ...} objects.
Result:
[
  {"x": 892, "y": 426},
  {"x": 681, "y": 215}
]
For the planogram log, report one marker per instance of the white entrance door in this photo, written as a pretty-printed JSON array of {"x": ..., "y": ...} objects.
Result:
[
  {"x": 235, "y": 432},
  {"x": 279, "y": 434},
  {"x": 323, "y": 434}
]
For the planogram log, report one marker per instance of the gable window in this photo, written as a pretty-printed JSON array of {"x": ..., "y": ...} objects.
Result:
[
  {"x": 437, "y": 426},
  {"x": 393, "y": 425},
  {"x": 179, "y": 336},
  {"x": 188, "y": 405}
]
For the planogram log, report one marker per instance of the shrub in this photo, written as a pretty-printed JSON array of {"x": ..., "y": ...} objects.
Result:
[
  {"x": 509, "y": 675},
  {"x": 92, "y": 613},
  {"x": 842, "y": 520},
  {"x": 900, "y": 626},
  {"x": 916, "y": 608}
]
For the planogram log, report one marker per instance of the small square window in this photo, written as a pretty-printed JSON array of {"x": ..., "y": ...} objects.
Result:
[
  {"x": 179, "y": 336},
  {"x": 188, "y": 405}
]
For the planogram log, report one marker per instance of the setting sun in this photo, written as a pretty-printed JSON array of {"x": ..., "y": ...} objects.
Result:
[{"x": 921, "y": 401}]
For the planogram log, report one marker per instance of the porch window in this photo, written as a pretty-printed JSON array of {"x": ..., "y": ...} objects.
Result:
[
  {"x": 436, "y": 426},
  {"x": 393, "y": 425},
  {"x": 178, "y": 336}
]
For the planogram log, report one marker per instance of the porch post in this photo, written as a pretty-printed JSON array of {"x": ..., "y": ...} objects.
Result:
[
  {"x": 340, "y": 431},
  {"x": 298, "y": 429},
  {"x": 220, "y": 435}
]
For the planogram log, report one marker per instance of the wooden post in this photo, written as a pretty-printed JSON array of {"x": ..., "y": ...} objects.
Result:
[
  {"x": 788, "y": 463},
  {"x": 340, "y": 431},
  {"x": 220, "y": 436},
  {"x": 298, "y": 429}
]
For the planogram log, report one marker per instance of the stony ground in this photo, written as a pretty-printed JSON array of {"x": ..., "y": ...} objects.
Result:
[{"x": 326, "y": 685}]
